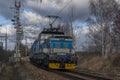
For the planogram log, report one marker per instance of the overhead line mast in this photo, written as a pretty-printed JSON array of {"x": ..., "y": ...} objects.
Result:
[{"x": 19, "y": 30}]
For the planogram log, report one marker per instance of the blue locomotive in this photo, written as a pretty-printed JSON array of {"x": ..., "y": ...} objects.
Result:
[{"x": 54, "y": 50}]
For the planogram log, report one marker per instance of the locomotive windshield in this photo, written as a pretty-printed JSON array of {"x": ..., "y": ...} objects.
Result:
[{"x": 61, "y": 45}]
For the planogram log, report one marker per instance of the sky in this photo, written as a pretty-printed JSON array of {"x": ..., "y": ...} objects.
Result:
[{"x": 33, "y": 16}]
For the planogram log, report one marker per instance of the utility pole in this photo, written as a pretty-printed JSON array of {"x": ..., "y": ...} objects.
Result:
[
  {"x": 5, "y": 42},
  {"x": 1, "y": 43},
  {"x": 5, "y": 39},
  {"x": 72, "y": 20},
  {"x": 19, "y": 31},
  {"x": 26, "y": 50}
]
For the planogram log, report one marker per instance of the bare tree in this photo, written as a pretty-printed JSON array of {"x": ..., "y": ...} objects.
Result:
[
  {"x": 66, "y": 28},
  {"x": 103, "y": 12},
  {"x": 116, "y": 33}
]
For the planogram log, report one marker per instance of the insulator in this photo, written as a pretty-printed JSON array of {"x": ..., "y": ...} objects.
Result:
[
  {"x": 12, "y": 20},
  {"x": 14, "y": 23}
]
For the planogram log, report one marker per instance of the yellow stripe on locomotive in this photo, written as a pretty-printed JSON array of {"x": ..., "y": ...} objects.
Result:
[
  {"x": 54, "y": 65},
  {"x": 58, "y": 66},
  {"x": 70, "y": 66}
]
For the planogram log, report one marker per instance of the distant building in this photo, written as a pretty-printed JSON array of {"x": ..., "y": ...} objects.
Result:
[{"x": 1, "y": 44}]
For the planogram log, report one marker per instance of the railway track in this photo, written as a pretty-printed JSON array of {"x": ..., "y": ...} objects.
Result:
[
  {"x": 61, "y": 73},
  {"x": 73, "y": 74},
  {"x": 68, "y": 75},
  {"x": 89, "y": 76}
]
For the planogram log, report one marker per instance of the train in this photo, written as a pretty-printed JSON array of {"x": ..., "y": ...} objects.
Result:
[{"x": 53, "y": 49}]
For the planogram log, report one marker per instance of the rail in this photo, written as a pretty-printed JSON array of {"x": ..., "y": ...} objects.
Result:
[{"x": 105, "y": 74}]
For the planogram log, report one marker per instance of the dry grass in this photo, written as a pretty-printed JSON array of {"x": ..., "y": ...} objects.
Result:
[
  {"x": 27, "y": 71},
  {"x": 6, "y": 73},
  {"x": 40, "y": 73},
  {"x": 98, "y": 63},
  {"x": 109, "y": 66}
]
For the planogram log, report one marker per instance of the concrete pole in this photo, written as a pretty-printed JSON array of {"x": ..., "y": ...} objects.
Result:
[
  {"x": 26, "y": 46},
  {"x": 6, "y": 40}
]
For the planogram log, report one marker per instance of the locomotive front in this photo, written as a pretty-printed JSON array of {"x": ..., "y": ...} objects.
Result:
[{"x": 62, "y": 54}]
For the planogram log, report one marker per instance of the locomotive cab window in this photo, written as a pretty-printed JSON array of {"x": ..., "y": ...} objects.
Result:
[
  {"x": 57, "y": 45},
  {"x": 65, "y": 45}
]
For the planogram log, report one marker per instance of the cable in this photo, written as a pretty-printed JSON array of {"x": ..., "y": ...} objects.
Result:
[
  {"x": 64, "y": 7},
  {"x": 60, "y": 11}
]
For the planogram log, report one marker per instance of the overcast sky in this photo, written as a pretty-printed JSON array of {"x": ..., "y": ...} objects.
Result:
[{"x": 33, "y": 14}]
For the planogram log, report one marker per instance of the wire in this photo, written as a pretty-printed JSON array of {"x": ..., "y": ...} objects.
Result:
[
  {"x": 64, "y": 7},
  {"x": 60, "y": 11}
]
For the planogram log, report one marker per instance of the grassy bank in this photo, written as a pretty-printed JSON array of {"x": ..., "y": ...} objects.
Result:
[{"x": 93, "y": 62}]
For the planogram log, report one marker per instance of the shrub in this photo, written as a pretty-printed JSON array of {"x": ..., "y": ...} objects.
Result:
[{"x": 4, "y": 55}]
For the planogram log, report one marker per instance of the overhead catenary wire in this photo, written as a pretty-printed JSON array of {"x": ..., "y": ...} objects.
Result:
[
  {"x": 57, "y": 13},
  {"x": 61, "y": 10}
]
